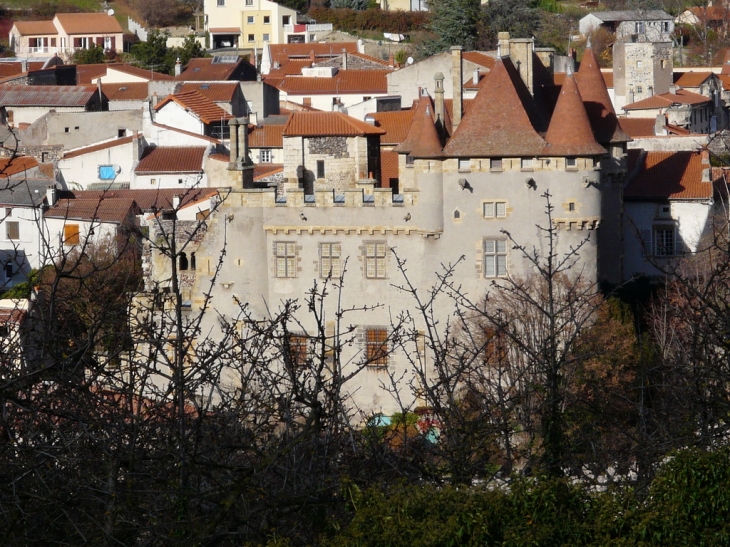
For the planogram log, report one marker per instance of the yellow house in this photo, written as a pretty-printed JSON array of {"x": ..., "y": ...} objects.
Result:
[{"x": 247, "y": 23}]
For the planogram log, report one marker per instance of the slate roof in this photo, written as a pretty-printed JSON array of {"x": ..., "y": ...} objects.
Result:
[
  {"x": 115, "y": 211},
  {"x": 669, "y": 175},
  {"x": 200, "y": 105},
  {"x": 266, "y": 136},
  {"x": 570, "y": 130},
  {"x": 28, "y": 192},
  {"x": 222, "y": 92},
  {"x": 499, "y": 121},
  {"x": 592, "y": 87},
  {"x": 96, "y": 147},
  {"x": 39, "y": 28},
  {"x": 89, "y": 23},
  {"x": 171, "y": 159},
  {"x": 682, "y": 96},
  {"x": 327, "y": 124},
  {"x": 344, "y": 82},
  {"x": 632, "y": 15},
  {"x": 46, "y": 95},
  {"x": 638, "y": 127},
  {"x": 131, "y": 91},
  {"x": 423, "y": 140},
  {"x": 395, "y": 124}
]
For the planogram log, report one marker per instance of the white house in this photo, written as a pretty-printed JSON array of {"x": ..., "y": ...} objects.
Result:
[
  {"x": 247, "y": 23},
  {"x": 101, "y": 165},
  {"x": 171, "y": 167}
]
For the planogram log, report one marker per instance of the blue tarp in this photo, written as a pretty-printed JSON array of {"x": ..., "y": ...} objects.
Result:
[{"x": 107, "y": 172}]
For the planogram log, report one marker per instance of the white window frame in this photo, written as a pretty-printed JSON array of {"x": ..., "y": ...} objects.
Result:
[
  {"x": 527, "y": 164},
  {"x": 495, "y": 257},
  {"x": 330, "y": 260},
  {"x": 250, "y": 19},
  {"x": 376, "y": 255},
  {"x": 221, "y": 3},
  {"x": 266, "y": 155},
  {"x": 662, "y": 247},
  {"x": 494, "y": 209},
  {"x": 285, "y": 259}
]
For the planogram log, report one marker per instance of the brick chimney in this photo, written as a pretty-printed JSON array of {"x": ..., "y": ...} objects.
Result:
[{"x": 458, "y": 85}]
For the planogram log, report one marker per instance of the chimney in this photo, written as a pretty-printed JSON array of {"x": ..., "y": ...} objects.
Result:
[
  {"x": 98, "y": 86},
  {"x": 521, "y": 52},
  {"x": 176, "y": 202},
  {"x": 24, "y": 65},
  {"x": 458, "y": 85},
  {"x": 178, "y": 67},
  {"x": 233, "y": 144},
  {"x": 243, "y": 138},
  {"x": 439, "y": 101},
  {"x": 154, "y": 99},
  {"x": 391, "y": 60},
  {"x": 503, "y": 44},
  {"x": 706, "y": 168},
  {"x": 475, "y": 77},
  {"x": 311, "y": 55},
  {"x": 344, "y": 59},
  {"x": 51, "y": 195}
]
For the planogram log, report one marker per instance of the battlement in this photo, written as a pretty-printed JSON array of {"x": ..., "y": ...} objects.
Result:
[{"x": 355, "y": 197}]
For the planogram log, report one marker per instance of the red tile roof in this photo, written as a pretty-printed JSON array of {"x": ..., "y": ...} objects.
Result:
[
  {"x": 691, "y": 78},
  {"x": 479, "y": 58},
  {"x": 198, "y": 104},
  {"x": 15, "y": 69},
  {"x": 288, "y": 68},
  {"x": 725, "y": 79},
  {"x": 204, "y": 69},
  {"x": 423, "y": 139},
  {"x": 87, "y": 74},
  {"x": 669, "y": 175},
  {"x": 13, "y": 166},
  {"x": 132, "y": 91},
  {"x": 498, "y": 123},
  {"x": 344, "y": 82},
  {"x": 96, "y": 147},
  {"x": 559, "y": 78},
  {"x": 388, "y": 167},
  {"x": 171, "y": 159},
  {"x": 395, "y": 124},
  {"x": 638, "y": 127},
  {"x": 263, "y": 170},
  {"x": 327, "y": 124},
  {"x": 89, "y": 23},
  {"x": 682, "y": 96},
  {"x": 266, "y": 136},
  {"x": 28, "y": 28},
  {"x": 281, "y": 53},
  {"x": 221, "y": 92},
  {"x": 46, "y": 95},
  {"x": 149, "y": 200},
  {"x": 570, "y": 130},
  {"x": 594, "y": 92},
  {"x": 115, "y": 211}
]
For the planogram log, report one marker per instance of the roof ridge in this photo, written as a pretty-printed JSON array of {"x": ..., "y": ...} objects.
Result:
[{"x": 423, "y": 140}]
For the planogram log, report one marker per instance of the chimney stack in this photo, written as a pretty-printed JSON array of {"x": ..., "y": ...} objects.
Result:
[
  {"x": 51, "y": 195},
  {"x": 503, "y": 44},
  {"x": 439, "y": 101},
  {"x": 458, "y": 85},
  {"x": 706, "y": 167},
  {"x": 475, "y": 77},
  {"x": 178, "y": 67},
  {"x": 344, "y": 59},
  {"x": 521, "y": 52}
]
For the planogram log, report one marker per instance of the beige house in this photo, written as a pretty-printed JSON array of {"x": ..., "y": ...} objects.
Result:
[
  {"x": 246, "y": 23},
  {"x": 65, "y": 34}
]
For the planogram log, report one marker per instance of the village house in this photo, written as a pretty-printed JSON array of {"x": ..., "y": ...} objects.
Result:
[
  {"x": 194, "y": 112},
  {"x": 328, "y": 89},
  {"x": 683, "y": 109},
  {"x": 636, "y": 26},
  {"x": 247, "y": 23},
  {"x": 24, "y": 104},
  {"x": 65, "y": 34}
]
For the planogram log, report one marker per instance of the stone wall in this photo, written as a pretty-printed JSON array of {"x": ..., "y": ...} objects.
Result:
[{"x": 331, "y": 146}]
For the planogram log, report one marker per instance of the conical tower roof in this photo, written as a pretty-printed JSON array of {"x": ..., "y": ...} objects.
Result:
[
  {"x": 570, "y": 132},
  {"x": 423, "y": 139},
  {"x": 597, "y": 102},
  {"x": 501, "y": 121}
]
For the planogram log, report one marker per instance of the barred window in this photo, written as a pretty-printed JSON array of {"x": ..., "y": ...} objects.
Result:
[
  {"x": 375, "y": 260},
  {"x": 286, "y": 260},
  {"x": 329, "y": 260},
  {"x": 376, "y": 341}
]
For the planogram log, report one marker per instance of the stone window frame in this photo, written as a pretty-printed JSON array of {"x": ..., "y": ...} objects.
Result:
[
  {"x": 377, "y": 346},
  {"x": 285, "y": 259},
  {"x": 571, "y": 164},
  {"x": 494, "y": 209},
  {"x": 410, "y": 160},
  {"x": 321, "y": 173},
  {"x": 496, "y": 164},
  {"x": 464, "y": 165},
  {"x": 330, "y": 260},
  {"x": 375, "y": 254},
  {"x": 666, "y": 234},
  {"x": 498, "y": 250},
  {"x": 527, "y": 164}
]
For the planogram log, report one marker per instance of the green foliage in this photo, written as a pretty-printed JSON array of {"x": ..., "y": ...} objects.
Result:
[
  {"x": 350, "y": 4},
  {"x": 91, "y": 56},
  {"x": 518, "y": 17},
  {"x": 24, "y": 289},
  {"x": 453, "y": 23},
  {"x": 371, "y": 19},
  {"x": 155, "y": 55},
  {"x": 190, "y": 49}
]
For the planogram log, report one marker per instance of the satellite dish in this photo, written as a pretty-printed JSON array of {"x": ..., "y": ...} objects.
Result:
[
  {"x": 110, "y": 12},
  {"x": 409, "y": 61}
]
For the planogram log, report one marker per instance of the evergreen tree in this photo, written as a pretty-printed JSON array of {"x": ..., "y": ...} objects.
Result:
[
  {"x": 454, "y": 23},
  {"x": 520, "y": 18}
]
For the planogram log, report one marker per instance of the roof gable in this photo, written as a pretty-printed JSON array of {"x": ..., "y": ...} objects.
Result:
[
  {"x": 88, "y": 23},
  {"x": 171, "y": 159},
  {"x": 498, "y": 123},
  {"x": 669, "y": 175},
  {"x": 327, "y": 124},
  {"x": 198, "y": 104}
]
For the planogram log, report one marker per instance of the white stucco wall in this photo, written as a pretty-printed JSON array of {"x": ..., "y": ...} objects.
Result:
[
  {"x": 80, "y": 171},
  {"x": 174, "y": 115}
]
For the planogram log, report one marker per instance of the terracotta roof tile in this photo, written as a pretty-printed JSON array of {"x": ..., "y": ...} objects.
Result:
[
  {"x": 46, "y": 95},
  {"x": 570, "y": 130},
  {"x": 28, "y": 28},
  {"x": 204, "y": 69},
  {"x": 115, "y": 211},
  {"x": 594, "y": 92},
  {"x": 395, "y": 124},
  {"x": 14, "y": 316},
  {"x": 559, "y": 78},
  {"x": 149, "y": 200},
  {"x": 215, "y": 91},
  {"x": 344, "y": 82},
  {"x": 725, "y": 79},
  {"x": 669, "y": 175},
  {"x": 171, "y": 159},
  {"x": 288, "y": 68},
  {"x": 327, "y": 124},
  {"x": 479, "y": 58},
  {"x": 676, "y": 130},
  {"x": 198, "y": 104},
  {"x": 15, "y": 69},
  {"x": 266, "y": 136},
  {"x": 388, "y": 167},
  {"x": 96, "y": 147},
  {"x": 498, "y": 122},
  {"x": 13, "y": 166},
  {"x": 638, "y": 127},
  {"x": 691, "y": 78},
  {"x": 263, "y": 170},
  {"x": 86, "y": 74},
  {"x": 132, "y": 91},
  {"x": 281, "y": 53},
  {"x": 89, "y": 23},
  {"x": 188, "y": 133},
  {"x": 682, "y": 96},
  {"x": 423, "y": 139}
]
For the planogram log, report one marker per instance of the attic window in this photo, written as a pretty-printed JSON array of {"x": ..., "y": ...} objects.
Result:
[
  {"x": 205, "y": 86},
  {"x": 464, "y": 165},
  {"x": 526, "y": 163},
  {"x": 196, "y": 69},
  {"x": 409, "y": 160},
  {"x": 495, "y": 164},
  {"x": 571, "y": 163}
]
